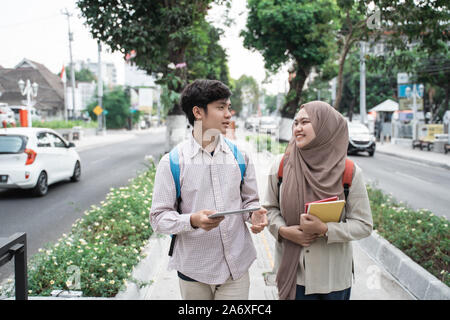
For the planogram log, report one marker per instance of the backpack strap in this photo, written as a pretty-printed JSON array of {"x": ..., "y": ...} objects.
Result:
[
  {"x": 238, "y": 156},
  {"x": 175, "y": 170},
  {"x": 347, "y": 177}
]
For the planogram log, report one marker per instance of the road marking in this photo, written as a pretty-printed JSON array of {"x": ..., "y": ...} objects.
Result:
[
  {"x": 266, "y": 246},
  {"x": 412, "y": 177},
  {"x": 100, "y": 160}
]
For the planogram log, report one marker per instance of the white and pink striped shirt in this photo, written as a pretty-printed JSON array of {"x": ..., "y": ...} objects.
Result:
[{"x": 213, "y": 183}]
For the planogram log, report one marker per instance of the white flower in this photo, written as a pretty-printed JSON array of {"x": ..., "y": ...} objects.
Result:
[
  {"x": 101, "y": 280},
  {"x": 52, "y": 282},
  {"x": 109, "y": 270},
  {"x": 419, "y": 221},
  {"x": 112, "y": 282}
]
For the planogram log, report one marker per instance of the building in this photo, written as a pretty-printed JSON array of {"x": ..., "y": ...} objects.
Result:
[
  {"x": 50, "y": 96},
  {"x": 109, "y": 72}
]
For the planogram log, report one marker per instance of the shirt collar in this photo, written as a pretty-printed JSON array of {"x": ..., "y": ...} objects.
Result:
[{"x": 196, "y": 147}]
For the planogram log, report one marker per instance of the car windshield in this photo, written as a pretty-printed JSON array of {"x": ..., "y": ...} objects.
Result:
[
  {"x": 358, "y": 129},
  {"x": 11, "y": 144}
]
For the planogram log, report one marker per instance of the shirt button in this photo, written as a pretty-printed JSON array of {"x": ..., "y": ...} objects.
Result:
[{"x": 307, "y": 251}]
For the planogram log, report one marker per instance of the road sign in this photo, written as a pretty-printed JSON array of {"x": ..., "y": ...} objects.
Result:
[{"x": 98, "y": 110}]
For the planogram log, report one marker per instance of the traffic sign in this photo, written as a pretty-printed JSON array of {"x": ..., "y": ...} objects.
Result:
[{"x": 98, "y": 110}]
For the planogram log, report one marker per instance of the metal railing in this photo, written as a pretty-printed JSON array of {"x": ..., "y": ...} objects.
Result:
[{"x": 16, "y": 246}]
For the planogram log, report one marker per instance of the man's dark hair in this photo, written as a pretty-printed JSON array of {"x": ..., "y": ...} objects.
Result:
[{"x": 200, "y": 93}]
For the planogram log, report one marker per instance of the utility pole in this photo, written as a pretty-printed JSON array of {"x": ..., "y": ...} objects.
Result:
[
  {"x": 362, "y": 83},
  {"x": 72, "y": 69},
  {"x": 101, "y": 117}
]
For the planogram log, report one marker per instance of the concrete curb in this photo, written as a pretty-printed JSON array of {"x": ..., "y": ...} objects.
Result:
[
  {"x": 418, "y": 281},
  {"x": 147, "y": 270},
  {"x": 420, "y": 160}
]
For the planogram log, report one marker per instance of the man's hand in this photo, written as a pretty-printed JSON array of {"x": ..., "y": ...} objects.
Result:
[
  {"x": 312, "y": 225},
  {"x": 294, "y": 234},
  {"x": 259, "y": 220},
  {"x": 200, "y": 220}
]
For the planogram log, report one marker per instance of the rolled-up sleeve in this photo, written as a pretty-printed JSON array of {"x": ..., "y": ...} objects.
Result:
[
  {"x": 359, "y": 223},
  {"x": 164, "y": 217}
]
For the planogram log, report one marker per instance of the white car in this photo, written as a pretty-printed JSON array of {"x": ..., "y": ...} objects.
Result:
[
  {"x": 34, "y": 158},
  {"x": 6, "y": 114}
]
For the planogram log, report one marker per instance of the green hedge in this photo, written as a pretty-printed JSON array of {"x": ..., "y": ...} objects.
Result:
[
  {"x": 421, "y": 235},
  {"x": 97, "y": 257}
]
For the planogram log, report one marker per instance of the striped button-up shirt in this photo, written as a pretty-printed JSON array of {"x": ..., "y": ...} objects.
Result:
[{"x": 211, "y": 182}]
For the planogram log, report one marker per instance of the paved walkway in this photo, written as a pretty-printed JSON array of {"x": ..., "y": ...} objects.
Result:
[{"x": 372, "y": 282}]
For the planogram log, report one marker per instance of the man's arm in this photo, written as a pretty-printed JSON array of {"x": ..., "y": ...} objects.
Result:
[{"x": 164, "y": 217}]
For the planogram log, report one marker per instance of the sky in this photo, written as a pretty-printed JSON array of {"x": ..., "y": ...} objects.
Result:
[{"x": 37, "y": 30}]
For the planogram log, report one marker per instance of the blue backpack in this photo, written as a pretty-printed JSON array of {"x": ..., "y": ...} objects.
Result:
[{"x": 175, "y": 169}]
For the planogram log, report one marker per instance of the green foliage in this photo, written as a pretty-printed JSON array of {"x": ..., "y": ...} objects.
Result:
[
  {"x": 245, "y": 90},
  {"x": 98, "y": 255},
  {"x": 60, "y": 124},
  {"x": 421, "y": 235},
  {"x": 117, "y": 103},
  {"x": 291, "y": 30},
  {"x": 160, "y": 33}
]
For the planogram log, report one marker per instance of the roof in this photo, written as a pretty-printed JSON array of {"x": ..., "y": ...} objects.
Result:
[
  {"x": 386, "y": 106},
  {"x": 50, "y": 91}
]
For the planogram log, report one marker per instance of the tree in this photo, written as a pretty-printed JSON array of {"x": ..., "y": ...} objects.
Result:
[
  {"x": 291, "y": 31},
  {"x": 245, "y": 91},
  {"x": 352, "y": 20},
  {"x": 157, "y": 31},
  {"x": 117, "y": 103},
  {"x": 84, "y": 75}
]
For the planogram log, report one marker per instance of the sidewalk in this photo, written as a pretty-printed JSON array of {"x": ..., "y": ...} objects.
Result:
[
  {"x": 408, "y": 153},
  {"x": 372, "y": 281},
  {"x": 111, "y": 137}
]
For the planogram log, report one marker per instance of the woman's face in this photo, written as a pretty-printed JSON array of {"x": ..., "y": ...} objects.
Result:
[{"x": 303, "y": 130}]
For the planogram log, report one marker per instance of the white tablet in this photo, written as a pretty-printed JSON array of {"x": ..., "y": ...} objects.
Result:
[{"x": 224, "y": 213}]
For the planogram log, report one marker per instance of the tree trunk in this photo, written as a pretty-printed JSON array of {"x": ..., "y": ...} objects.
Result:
[
  {"x": 178, "y": 56},
  {"x": 345, "y": 50},
  {"x": 295, "y": 91}
]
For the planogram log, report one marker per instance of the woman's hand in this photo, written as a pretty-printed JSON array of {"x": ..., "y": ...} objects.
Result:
[
  {"x": 312, "y": 225},
  {"x": 259, "y": 220},
  {"x": 294, "y": 234}
]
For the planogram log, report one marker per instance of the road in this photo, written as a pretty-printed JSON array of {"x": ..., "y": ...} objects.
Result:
[
  {"x": 417, "y": 184},
  {"x": 46, "y": 219}
]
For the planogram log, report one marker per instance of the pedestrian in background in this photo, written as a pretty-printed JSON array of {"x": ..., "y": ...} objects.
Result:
[
  {"x": 314, "y": 259},
  {"x": 212, "y": 256}
]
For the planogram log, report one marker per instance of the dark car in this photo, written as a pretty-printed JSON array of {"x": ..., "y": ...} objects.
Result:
[{"x": 360, "y": 139}]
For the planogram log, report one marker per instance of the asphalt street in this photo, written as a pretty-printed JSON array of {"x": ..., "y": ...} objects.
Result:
[
  {"x": 420, "y": 185},
  {"x": 46, "y": 219}
]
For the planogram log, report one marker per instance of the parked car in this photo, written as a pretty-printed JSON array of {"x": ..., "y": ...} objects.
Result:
[
  {"x": 268, "y": 125},
  {"x": 34, "y": 158},
  {"x": 360, "y": 139},
  {"x": 6, "y": 114},
  {"x": 251, "y": 123}
]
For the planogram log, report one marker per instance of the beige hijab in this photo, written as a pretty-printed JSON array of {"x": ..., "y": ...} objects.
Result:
[{"x": 309, "y": 174}]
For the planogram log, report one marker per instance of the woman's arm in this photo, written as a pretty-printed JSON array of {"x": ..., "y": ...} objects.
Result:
[{"x": 358, "y": 222}]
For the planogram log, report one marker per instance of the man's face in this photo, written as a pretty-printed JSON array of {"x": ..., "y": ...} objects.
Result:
[{"x": 217, "y": 118}]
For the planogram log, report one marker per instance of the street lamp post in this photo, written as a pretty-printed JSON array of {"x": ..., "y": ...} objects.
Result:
[{"x": 30, "y": 90}]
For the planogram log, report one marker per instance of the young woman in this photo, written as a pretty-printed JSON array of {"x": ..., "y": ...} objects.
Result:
[{"x": 314, "y": 259}]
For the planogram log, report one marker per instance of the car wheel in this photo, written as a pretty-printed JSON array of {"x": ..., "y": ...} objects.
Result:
[
  {"x": 41, "y": 187},
  {"x": 76, "y": 172},
  {"x": 371, "y": 153}
]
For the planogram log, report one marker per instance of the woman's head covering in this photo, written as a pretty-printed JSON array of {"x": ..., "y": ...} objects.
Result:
[{"x": 309, "y": 174}]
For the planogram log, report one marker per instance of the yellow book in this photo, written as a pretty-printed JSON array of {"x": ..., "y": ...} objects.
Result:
[{"x": 327, "y": 211}]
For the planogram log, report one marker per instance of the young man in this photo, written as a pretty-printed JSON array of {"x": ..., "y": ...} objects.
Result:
[{"x": 211, "y": 255}]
